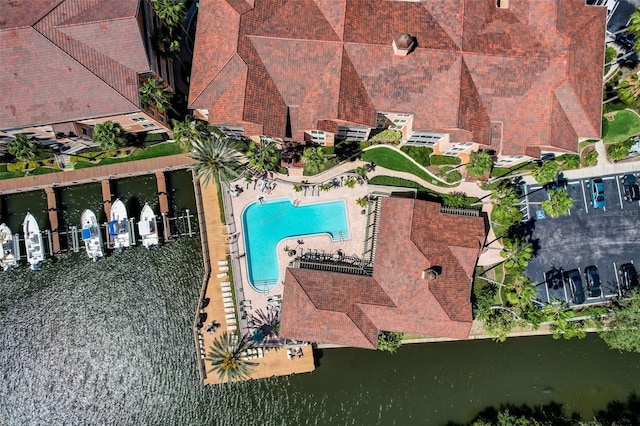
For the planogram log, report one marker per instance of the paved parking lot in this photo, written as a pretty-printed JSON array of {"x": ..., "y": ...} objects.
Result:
[{"x": 606, "y": 237}]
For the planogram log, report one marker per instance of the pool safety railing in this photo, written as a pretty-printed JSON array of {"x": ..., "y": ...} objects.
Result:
[{"x": 333, "y": 262}]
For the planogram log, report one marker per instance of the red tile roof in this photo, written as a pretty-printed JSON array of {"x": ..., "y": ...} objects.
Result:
[
  {"x": 529, "y": 67},
  {"x": 350, "y": 310},
  {"x": 69, "y": 60}
]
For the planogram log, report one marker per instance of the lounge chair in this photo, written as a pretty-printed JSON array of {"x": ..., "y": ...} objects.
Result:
[
  {"x": 222, "y": 262},
  {"x": 223, "y": 268},
  {"x": 227, "y": 299},
  {"x": 226, "y": 294},
  {"x": 231, "y": 327},
  {"x": 228, "y": 304},
  {"x": 222, "y": 275},
  {"x": 229, "y": 310}
]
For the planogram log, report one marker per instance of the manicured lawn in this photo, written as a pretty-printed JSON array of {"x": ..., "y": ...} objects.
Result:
[
  {"x": 624, "y": 125},
  {"x": 395, "y": 181},
  {"x": 159, "y": 150},
  {"x": 393, "y": 160},
  {"x": 38, "y": 171}
]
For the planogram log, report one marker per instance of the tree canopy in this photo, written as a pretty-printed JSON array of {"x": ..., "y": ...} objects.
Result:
[
  {"x": 623, "y": 331},
  {"x": 263, "y": 156},
  {"x": 546, "y": 173},
  {"x": 23, "y": 147},
  {"x": 216, "y": 157},
  {"x": 109, "y": 135},
  {"x": 389, "y": 341},
  {"x": 314, "y": 160},
  {"x": 153, "y": 92},
  {"x": 226, "y": 357},
  {"x": 480, "y": 162},
  {"x": 558, "y": 204}
]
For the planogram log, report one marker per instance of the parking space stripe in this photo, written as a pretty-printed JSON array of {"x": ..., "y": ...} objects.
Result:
[
  {"x": 615, "y": 272},
  {"x": 546, "y": 287},
  {"x": 584, "y": 197},
  {"x": 619, "y": 193}
]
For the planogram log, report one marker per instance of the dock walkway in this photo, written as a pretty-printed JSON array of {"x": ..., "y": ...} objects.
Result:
[{"x": 95, "y": 174}]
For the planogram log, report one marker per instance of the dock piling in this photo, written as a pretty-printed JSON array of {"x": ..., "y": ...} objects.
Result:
[{"x": 163, "y": 201}]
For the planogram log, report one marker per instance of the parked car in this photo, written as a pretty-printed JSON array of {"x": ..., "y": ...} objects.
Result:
[
  {"x": 631, "y": 188},
  {"x": 576, "y": 287},
  {"x": 629, "y": 277},
  {"x": 596, "y": 187},
  {"x": 554, "y": 278},
  {"x": 626, "y": 39},
  {"x": 592, "y": 278}
]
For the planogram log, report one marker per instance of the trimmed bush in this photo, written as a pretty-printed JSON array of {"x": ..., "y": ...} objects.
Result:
[
  {"x": 388, "y": 135},
  {"x": 16, "y": 167},
  {"x": 442, "y": 160},
  {"x": 420, "y": 154}
]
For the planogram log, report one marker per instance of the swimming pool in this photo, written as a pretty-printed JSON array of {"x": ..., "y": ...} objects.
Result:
[{"x": 265, "y": 225}]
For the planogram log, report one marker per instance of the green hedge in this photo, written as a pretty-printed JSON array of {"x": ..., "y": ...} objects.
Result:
[
  {"x": 442, "y": 160},
  {"x": 419, "y": 153},
  {"x": 16, "y": 167},
  {"x": 387, "y": 135}
]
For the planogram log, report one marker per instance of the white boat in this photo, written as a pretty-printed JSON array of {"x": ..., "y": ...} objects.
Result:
[
  {"x": 9, "y": 255},
  {"x": 91, "y": 235},
  {"x": 33, "y": 242},
  {"x": 119, "y": 228},
  {"x": 148, "y": 227}
]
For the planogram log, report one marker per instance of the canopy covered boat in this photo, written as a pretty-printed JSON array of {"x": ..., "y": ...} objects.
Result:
[
  {"x": 10, "y": 250},
  {"x": 119, "y": 228},
  {"x": 91, "y": 235}
]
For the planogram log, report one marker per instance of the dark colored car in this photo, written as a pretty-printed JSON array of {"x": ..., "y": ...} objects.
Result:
[
  {"x": 629, "y": 277},
  {"x": 626, "y": 39},
  {"x": 592, "y": 277},
  {"x": 631, "y": 188},
  {"x": 554, "y": 279},
  {"x": 575, "y": 285},
  {"x": 596, "y": 189}
]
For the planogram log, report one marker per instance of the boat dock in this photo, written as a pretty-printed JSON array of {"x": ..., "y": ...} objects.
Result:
[
  {"x": 52, "y": 205},
  {"x": 106, "y": 196},
  {"x": 163, "y": 202}
]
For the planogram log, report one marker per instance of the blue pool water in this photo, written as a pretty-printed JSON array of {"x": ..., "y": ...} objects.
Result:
[{"x": 265, "y": 225}]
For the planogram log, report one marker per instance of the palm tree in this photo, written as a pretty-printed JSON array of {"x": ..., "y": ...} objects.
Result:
[
  {"x": 226, "y": 357},
  {"x": 171, "y": 12},
  {"x": 516, "y": 254},
  {"x": 617, "y": 151},
  {"x": 546, "y": 173},
  {"x": 23, "y": 147},
  {"x": 267, "y": 323},
  {"x": 560, "y": 316},
  {"x": 479, "y": 163},
  {"x": 216, "y": 158},
  {"x": 263, "y": 156},
  {"x": 590, "y": 158},
  {"x": 187, "y": 131},
  {"x": 629, "y": 90},
  {"x": 314, "y": 160},
  {"x": 571, "y": 161},
  {"x": 634, "y": 23},
  {"x": 109, "y": 135},
  {"x": 350, "y": 182},
  {"x": 558, "y": 204},
  {"x": 153, "y": 92}
]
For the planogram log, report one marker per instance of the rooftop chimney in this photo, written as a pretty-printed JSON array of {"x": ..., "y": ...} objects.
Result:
[
  {"x": 403, "y": 44},
  {"x": 430, "y": 274}
]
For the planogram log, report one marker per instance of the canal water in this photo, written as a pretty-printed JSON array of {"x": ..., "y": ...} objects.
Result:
[{"x": 111, "y": 343}]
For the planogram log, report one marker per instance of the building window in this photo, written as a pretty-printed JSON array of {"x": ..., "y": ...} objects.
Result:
[
  {"x": 424, "y": 138},
  {"x": 352, "y": 133},
  {"x": 84, "y": 131},
  {"x": 136, "y": 119},
  {"x": 148, "y": 125}
]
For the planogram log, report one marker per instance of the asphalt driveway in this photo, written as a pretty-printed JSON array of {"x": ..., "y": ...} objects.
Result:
[{"x": 606, "y": 237}]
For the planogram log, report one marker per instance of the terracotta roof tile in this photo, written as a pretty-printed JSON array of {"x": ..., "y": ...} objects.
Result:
[
  {"x": 82, "y": 67},
  {"x": 413, "y": 236},
  {"x": 474, "y": 65}
]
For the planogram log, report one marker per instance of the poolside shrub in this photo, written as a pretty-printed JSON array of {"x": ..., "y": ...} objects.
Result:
[
  {"x": 420, "y": 154},
  {"x": 365, "y": 144},
  {"x": 442, "y": 160}
]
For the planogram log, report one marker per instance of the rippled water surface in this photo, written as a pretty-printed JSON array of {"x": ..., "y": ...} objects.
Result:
[{"x": 110, "y": 343}]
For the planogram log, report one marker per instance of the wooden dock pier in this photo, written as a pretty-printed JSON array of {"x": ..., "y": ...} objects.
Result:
[
  {"x": 106, "y": 197},
  {"x": 163, "y": 202},
  {"x": 52, "y": 204}
]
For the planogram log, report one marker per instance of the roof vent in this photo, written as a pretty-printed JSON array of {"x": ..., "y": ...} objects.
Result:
[
  {"x": 430, "y": 274},
  {"x": 403, "y": 44}
]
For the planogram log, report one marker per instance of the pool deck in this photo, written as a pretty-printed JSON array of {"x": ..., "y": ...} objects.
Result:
[
  {"x": 274, "y": 362},
  {"x": 356, "y": 222}
]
